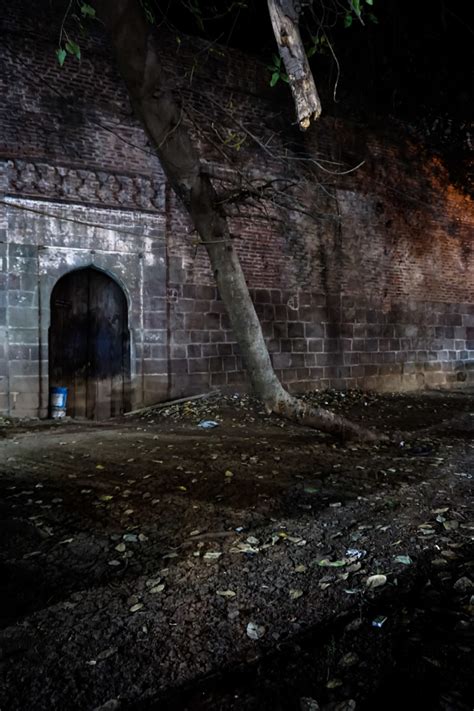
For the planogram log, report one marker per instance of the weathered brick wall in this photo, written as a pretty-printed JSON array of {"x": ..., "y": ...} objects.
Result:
[{"x": 375, "y": 289}]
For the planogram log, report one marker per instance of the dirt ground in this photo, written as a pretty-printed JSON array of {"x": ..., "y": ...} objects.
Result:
[{"x": 147, "y": 563}]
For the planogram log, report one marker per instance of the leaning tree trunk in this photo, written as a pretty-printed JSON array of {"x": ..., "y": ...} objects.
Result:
[
  {"x": 160, "y": 114},
  {"x": 284, "y": 15}
]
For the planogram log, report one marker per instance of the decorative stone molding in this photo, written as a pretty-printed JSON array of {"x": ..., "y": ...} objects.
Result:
[{"x": 28, "y": 178}]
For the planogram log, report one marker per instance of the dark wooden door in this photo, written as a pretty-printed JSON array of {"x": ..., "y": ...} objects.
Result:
[{"x": 89, "y": 344}]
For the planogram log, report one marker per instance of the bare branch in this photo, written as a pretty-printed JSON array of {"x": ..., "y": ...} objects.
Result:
[{"x": 284, "y": 17}]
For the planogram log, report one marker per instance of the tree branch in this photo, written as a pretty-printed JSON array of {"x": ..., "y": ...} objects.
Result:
[{"x": 284, "y": 16}]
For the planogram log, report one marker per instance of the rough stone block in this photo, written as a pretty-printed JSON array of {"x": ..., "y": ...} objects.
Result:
[
  {"x": 155, "y": 320},
  {"x": 23, "y": 336},
  {"x": 296, "y": 330},
  {"x": 212, "y": 321},
  {"x": 24, "y": 367},
  {"x": 198, "y": 365},
  {"x": 229, "y": 363},
  {"x": 315, "y": 345},
  {"x": 179, "y": 365},
  {"x": 216, "y": 365},
  {"x": 156, "y": 367},
  {"x": 201, "y": 306}
]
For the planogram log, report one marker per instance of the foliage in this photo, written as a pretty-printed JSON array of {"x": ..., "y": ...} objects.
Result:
[
  {"x": 317, "y": 19},
  {"x": 66, "y": 45},
  {"x": 277, "y": 71},
  {"x": 358, "y": 10}
]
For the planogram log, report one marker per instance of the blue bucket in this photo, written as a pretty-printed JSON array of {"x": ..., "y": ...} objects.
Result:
[{"x": 58, "y": 400}]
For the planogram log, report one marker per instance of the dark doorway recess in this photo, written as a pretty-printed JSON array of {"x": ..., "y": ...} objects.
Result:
[{"x": 89, "y": 344}]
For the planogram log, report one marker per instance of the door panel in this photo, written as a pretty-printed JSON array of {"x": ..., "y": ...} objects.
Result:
[{"x": 89, "y": 344}]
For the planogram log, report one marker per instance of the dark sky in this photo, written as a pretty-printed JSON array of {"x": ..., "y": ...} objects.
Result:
[{"x": 418, "y": 58}]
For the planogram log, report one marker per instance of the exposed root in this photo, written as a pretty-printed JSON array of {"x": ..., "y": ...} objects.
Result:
[{"x": 296, "y": 410}]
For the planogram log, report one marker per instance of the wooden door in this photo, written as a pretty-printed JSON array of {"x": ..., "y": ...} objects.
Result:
[{"x": 89, "y": 344}]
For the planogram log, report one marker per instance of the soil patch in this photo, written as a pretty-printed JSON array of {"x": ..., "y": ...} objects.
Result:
[{"x": 149, "y": 563}]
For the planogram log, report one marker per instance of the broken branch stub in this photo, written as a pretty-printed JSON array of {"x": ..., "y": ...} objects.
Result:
[{"x": 284, "y": 17}]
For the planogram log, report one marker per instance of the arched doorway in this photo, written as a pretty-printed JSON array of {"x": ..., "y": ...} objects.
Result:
[{"x": 89, "y": 344}]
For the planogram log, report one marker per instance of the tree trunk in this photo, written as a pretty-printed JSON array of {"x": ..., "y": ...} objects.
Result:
[
  {"x": 160, "y": 114},
  {"x": 284, "y": 16}
]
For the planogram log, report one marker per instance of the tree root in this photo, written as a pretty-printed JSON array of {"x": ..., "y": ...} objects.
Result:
[{"x": 300, "y": 412}]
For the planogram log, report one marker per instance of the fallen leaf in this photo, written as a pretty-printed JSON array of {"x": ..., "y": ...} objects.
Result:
[
  {"x": 243, "y": 548},
  {"x": 403, "y": 559},
  {"x": 451, "y": 525},
  {"x": 157, "y": 588},
  {"x": 375, "y": 581},
  {"x": 354, "y": 568},
  {"x": 107, "y": 653},
  {"x": 295, "y": 594},
  {"x": 297, "y": 540},
  {"x": 326, "y": 563},
  {"x": 253, "y": 541}
]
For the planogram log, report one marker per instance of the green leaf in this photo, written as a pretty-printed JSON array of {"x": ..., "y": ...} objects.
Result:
[
  {"x": 348, "y": 20},
  {"x": 276, "y": 60},
  {"x": 372, "y": 18},
  {"x": 356, "y": 6},
  {"x": 285, "y": 78},
  {"x": 73, "y": 48},
  {"x": 403, "y": 559},
  {"x": 61, "y": 55},
  {"x": 369, "y": 2},
  {"x": 274, "y": 79},
  {"x": 87, "y": 10},
  {"x": 326, "y": 563}
]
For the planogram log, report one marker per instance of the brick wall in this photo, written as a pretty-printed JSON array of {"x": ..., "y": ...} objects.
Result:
[{"x": 367, "y": 281}]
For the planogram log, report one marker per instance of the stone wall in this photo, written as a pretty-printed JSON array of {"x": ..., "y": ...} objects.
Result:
[
  {"x": 371, "y": 285},
  {"x": 51, "y": 241},
  {"x": 325, "y": 341}
]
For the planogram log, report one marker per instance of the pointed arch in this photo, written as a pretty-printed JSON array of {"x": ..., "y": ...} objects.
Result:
[{"x": 89, "y": 343}]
